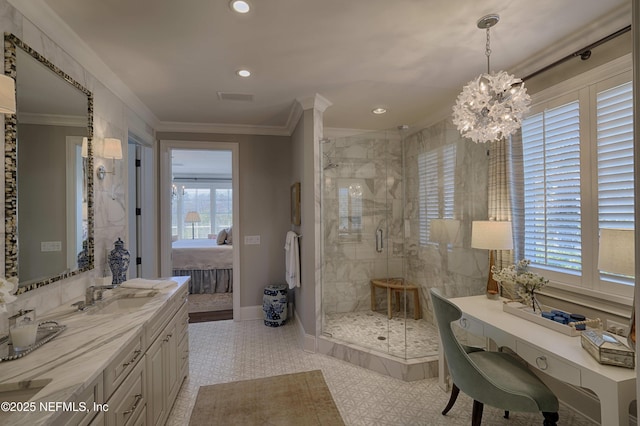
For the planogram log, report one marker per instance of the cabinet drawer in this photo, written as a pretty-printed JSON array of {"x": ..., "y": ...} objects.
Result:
[
  {"x": 551, "y": 365},
  {"x": 158, "y": 323},
  {"x": 472, "y": 326},
  {"x": 92, "y": 397},
  {"x": 128, "y": 403},
  {"x": 116, "y": 372}
]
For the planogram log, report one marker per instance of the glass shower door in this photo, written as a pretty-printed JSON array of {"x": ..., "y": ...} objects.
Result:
[{"x": 356, "y": 226}]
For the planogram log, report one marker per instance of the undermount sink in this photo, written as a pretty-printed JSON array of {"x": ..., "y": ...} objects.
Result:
[
  {"x": 21, "y": 391},
  {"x": 121, "y": 305}
]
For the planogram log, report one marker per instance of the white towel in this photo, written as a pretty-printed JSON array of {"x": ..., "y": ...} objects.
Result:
[
  {"x": 148, "y": 284},
  {"x": 292, "y": 260}
]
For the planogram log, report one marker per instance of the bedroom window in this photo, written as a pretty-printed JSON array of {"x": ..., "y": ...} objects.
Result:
[
  {"x": 578, "y": 179},
  {"x": 212, "y": 200}
]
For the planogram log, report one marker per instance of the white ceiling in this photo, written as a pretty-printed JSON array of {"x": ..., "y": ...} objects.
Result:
[{"x": 409, "y": 56}]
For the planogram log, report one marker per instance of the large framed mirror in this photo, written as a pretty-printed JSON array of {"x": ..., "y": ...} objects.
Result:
[{"x": 48, "y": 164}]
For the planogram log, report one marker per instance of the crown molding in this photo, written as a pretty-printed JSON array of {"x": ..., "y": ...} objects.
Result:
[
  {"x": 316, "y": 101},
  {"x": 232, "y": 129},
  {"x": 43, "y": 17},
  {"x": 52, "y": 119},
  {"x": 604, "y": 26}
]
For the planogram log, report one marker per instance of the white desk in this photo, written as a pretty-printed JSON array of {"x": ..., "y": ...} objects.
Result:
[{"x": 556, "y": 354}]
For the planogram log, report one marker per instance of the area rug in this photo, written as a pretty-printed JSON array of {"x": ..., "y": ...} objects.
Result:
[{"x": 291, "y": 399}]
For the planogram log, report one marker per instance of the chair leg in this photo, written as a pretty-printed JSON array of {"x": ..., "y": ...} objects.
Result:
[
  {"x": 550, "y": 419},
  {"x": 452, "y": 399},
  {"x": 476, "y": 414}
]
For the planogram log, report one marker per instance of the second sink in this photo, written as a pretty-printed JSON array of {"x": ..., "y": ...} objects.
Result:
[{"x": 121, "y": 305}]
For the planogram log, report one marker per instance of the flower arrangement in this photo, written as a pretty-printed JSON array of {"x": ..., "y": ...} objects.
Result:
[
  {"x": 527, "y": 282},
  {"x": 7, "y": 288}
]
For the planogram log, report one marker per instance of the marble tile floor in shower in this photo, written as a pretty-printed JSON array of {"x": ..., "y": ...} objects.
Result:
[
  {"x": 373, "y": 330},
  {"x": 227, "y": 351}
]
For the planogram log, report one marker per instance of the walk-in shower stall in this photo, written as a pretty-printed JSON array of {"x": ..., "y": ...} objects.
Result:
[{"x": 396, "y": 212}]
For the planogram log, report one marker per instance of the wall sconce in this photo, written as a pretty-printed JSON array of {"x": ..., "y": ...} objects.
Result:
[
  {"x": 7, "y": 95},
  {"x": 113, "y": 150}
]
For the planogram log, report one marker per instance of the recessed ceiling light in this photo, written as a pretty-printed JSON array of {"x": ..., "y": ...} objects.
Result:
[
  {"x": 243, "y": 73},
  {"x": 378, "y": 111},
  {"x": 240, "y": 6}
]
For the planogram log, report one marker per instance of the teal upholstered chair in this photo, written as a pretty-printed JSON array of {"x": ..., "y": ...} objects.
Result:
[{"x": 493, "y": 378}]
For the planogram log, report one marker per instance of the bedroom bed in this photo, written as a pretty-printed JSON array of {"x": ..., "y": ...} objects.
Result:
[{"x": 210, "y": 265}]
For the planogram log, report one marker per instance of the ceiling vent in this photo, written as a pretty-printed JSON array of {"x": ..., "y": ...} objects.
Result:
[{"x": 229, "y": 96}]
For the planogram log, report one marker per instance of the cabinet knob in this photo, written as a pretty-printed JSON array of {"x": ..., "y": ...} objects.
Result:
[{"x": 541, "y": 362}]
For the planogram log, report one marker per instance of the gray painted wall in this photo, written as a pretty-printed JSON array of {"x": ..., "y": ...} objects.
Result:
[
  {"x": 42, "y": 184},
  {"x": 265, "y": 178}
]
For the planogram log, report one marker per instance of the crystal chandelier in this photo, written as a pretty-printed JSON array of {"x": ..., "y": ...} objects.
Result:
[{"x": 491, "y": 106}]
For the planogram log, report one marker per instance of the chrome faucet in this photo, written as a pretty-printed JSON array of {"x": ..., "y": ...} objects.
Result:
[{"x": 94, "y": 293}]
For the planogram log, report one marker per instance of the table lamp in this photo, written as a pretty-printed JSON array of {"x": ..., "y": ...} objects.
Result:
[
  {"x": 491, "y": 235},
  {"x": 616, "y": 255},
  {"x": 192, "y": 218}
]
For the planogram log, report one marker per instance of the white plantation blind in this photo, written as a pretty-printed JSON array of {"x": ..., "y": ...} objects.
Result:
[
  {"x": 615, "y": 162},
  {"x": 436, "y": 189},
  {"x": 579, "y": 179},
  {"x": 551, "y": 147},
  {"x": 615, "y": 157}
]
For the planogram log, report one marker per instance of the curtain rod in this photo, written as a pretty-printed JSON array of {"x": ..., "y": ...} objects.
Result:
[{"x": 584, "y": 53}]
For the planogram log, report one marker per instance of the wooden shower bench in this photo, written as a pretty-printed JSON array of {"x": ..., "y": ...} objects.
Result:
[{"x": 396, "y": 286}]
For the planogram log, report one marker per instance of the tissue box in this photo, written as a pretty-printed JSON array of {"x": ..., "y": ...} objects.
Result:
[{"x": 607, "y": 352}]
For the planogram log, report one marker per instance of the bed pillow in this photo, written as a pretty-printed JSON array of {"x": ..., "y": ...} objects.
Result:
[
  {"x": 229, "y": 236},
  {"x": 222, "y": 235}
]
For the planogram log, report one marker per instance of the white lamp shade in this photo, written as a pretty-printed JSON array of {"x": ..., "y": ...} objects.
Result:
[
  {"x": 112, "y": 148},
  {"x": 616, "y": 253},
  {"x": 85, "y": 147},
  {"x": 7, "y": 95},
  {"x": 192, "y": 217},
  {"x": 444, "y": 230},
  {"x": 491, "y": 235}
]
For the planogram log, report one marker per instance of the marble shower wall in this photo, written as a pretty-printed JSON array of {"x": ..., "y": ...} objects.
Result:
[
  {"x": 369, "y": 169},
  {"x": 390, "y": 196},
  {"x": 456, "y": 269}
]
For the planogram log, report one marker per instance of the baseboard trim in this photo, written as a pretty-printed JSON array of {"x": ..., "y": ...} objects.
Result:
[
  {"x": 250, "y": 313},
  {"x": 307, "y": 342}
]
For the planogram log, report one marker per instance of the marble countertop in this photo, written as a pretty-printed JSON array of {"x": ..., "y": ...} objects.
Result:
[{"x": 76, "y": 357}]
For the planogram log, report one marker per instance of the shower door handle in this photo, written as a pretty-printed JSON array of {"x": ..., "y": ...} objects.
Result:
[{"x": 379, "y": 243}]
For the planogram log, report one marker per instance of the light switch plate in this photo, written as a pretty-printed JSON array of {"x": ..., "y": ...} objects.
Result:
[
  {"x": 252, "y": 239},
  {"x": 50, "y": 246}
]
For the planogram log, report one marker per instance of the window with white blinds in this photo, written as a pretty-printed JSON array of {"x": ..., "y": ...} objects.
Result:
[
  {"x": 579, "y": 179},
  {"x": 436, "y": 188},
  {"x": 615, "y": 162},
  {"x": 551, "y": 147}
]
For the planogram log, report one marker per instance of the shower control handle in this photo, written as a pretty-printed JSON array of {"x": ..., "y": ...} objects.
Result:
[{"x": 379, "y": 243}]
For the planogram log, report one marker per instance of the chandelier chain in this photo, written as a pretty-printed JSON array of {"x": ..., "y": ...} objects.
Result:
[{"x": 488, "y": 52}]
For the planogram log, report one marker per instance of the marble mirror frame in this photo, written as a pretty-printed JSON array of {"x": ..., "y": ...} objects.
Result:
[{"x": 11, "y": 43}]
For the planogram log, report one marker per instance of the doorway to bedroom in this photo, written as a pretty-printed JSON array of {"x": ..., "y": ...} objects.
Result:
[{"x": 201, "y": 227}]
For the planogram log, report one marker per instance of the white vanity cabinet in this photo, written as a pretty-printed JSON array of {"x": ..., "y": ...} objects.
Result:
[
  {"x": 127, "y": 405},
  {"x": 164, "y": 362},
  {"x": 145, "y": 394},
  {"x": 124, "y": 364}
]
